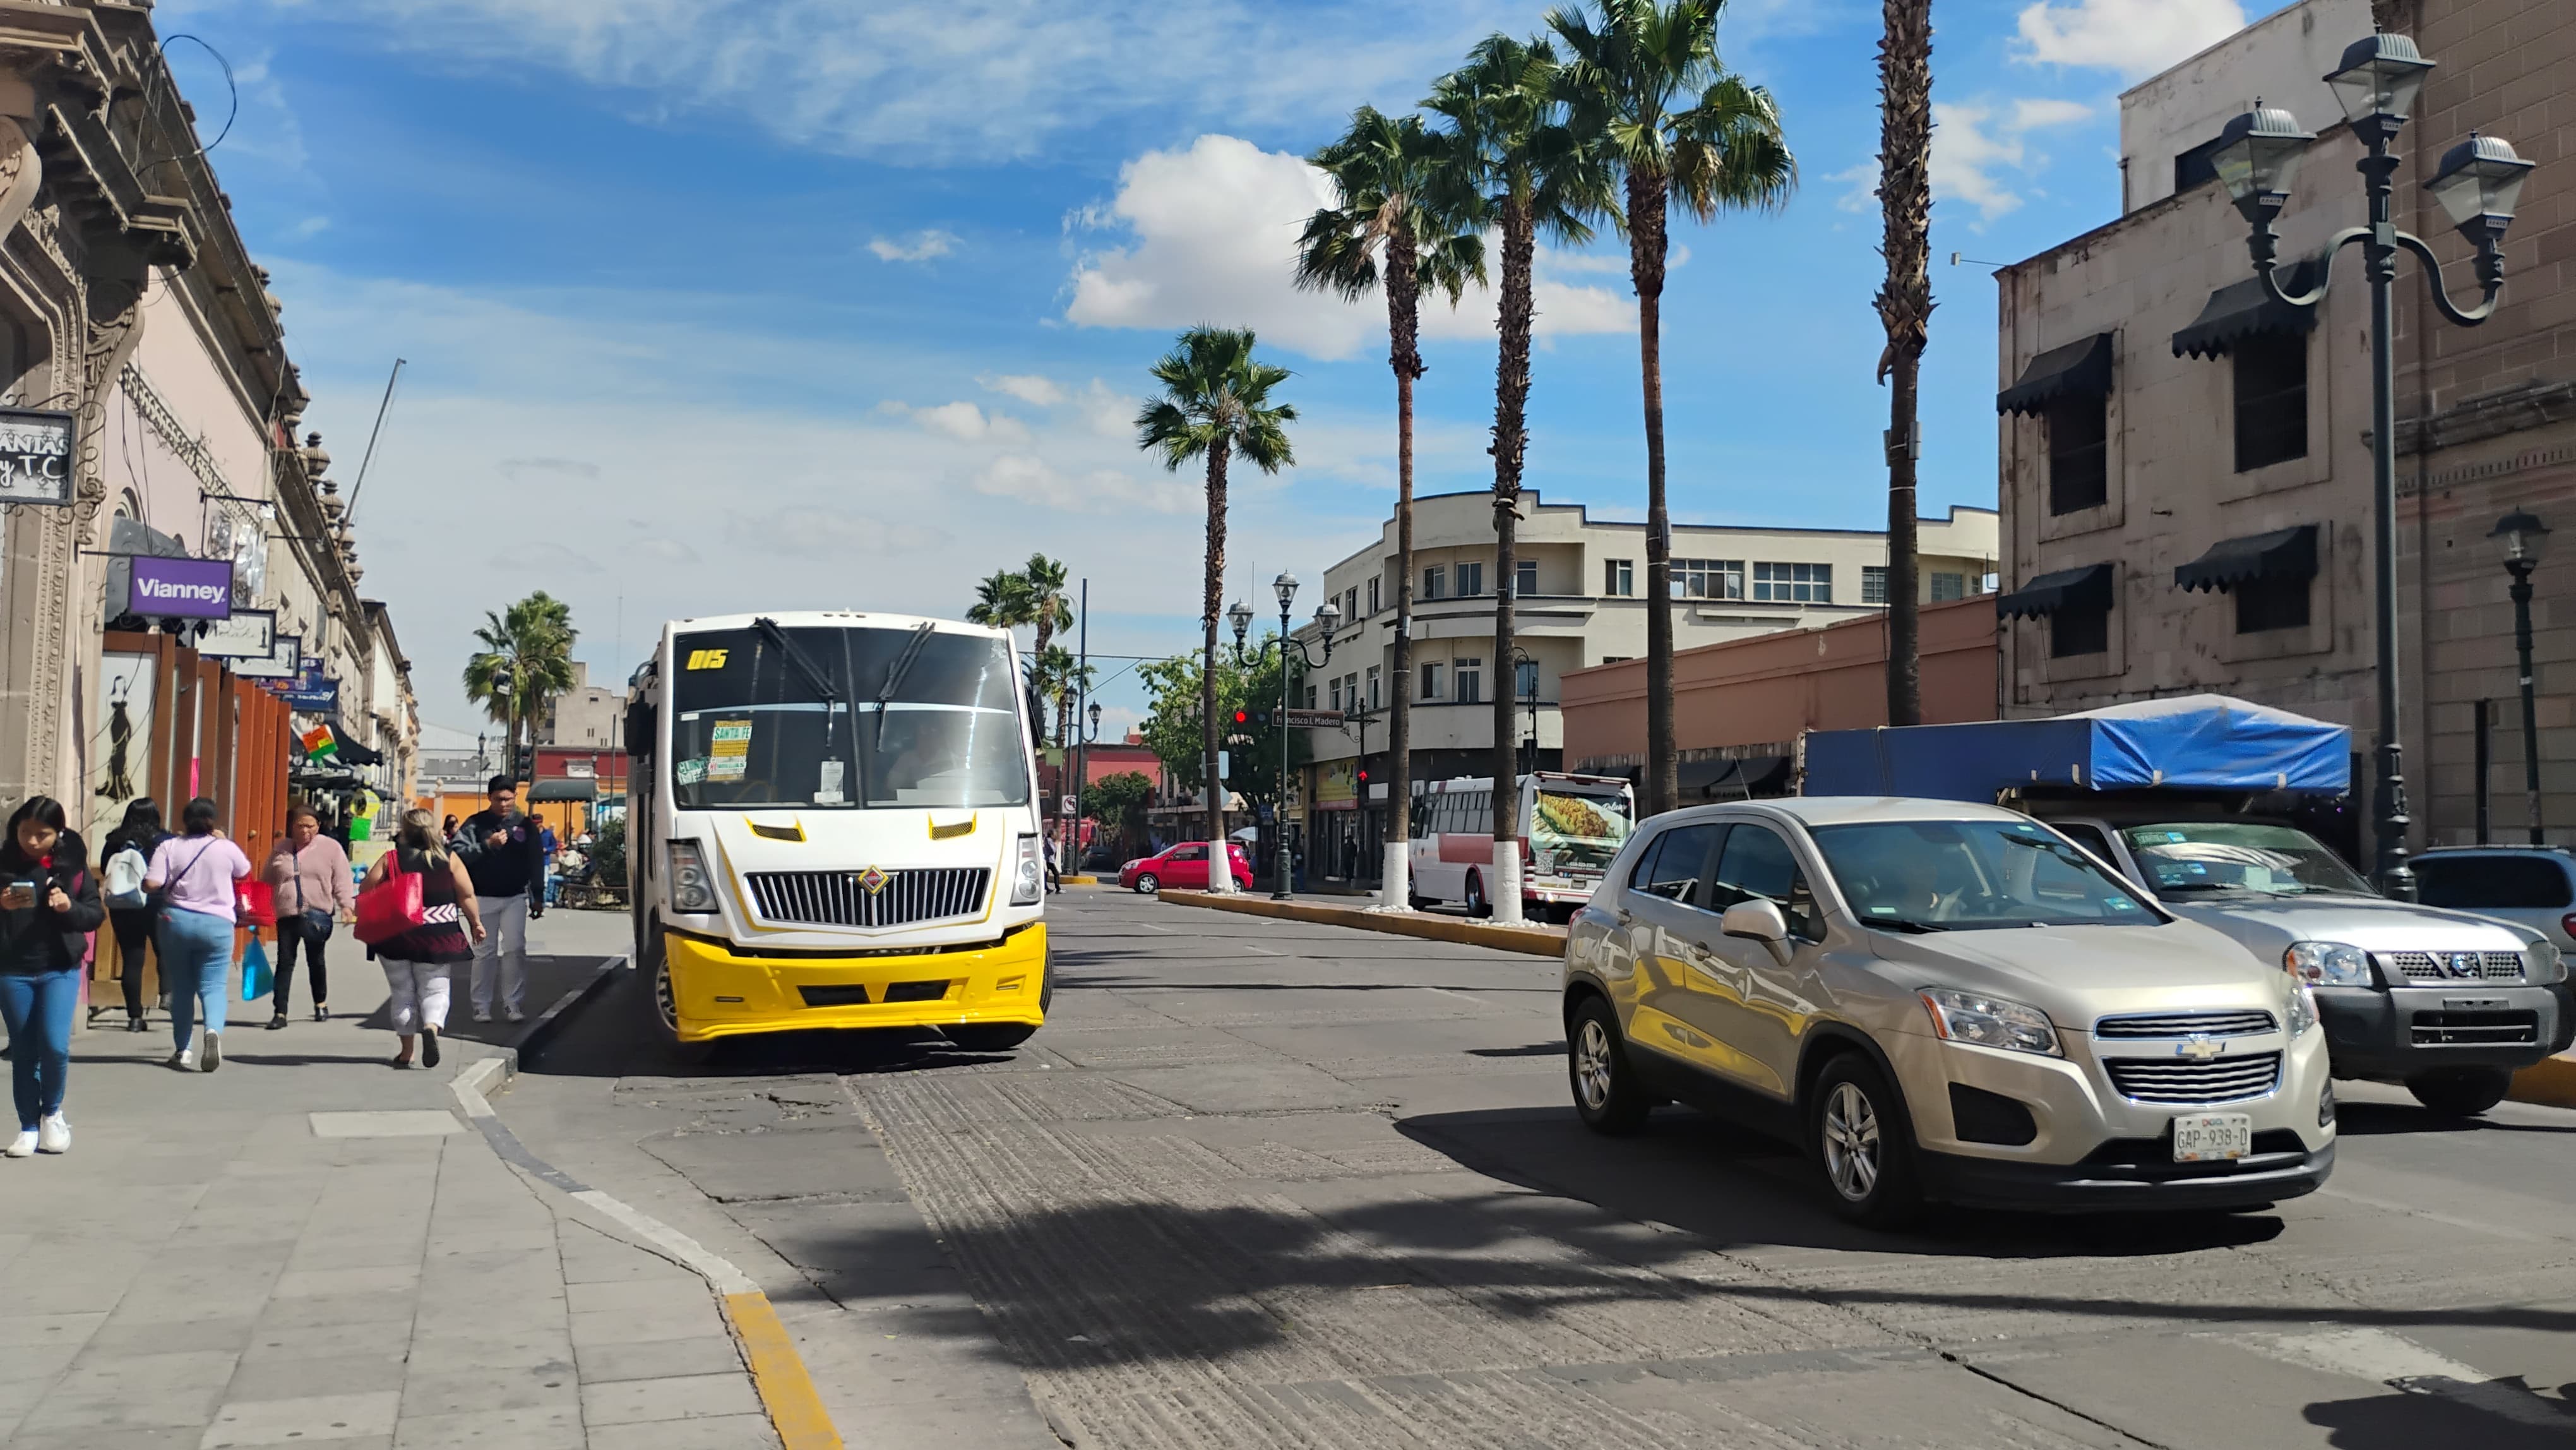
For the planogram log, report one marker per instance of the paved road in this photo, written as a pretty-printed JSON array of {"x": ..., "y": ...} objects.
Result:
[{"x": 1266, "y": 1184}]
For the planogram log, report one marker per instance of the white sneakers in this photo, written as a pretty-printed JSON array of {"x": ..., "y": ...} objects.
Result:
[
  {"x": 22, "y": 1146},
  {"x": 184, "y": 1060},
  {"x": 53, "y": 1135}
]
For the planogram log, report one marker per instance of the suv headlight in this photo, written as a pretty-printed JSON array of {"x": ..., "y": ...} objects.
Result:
[
  {"x": 1028, "y": 877},
  {"x": 2542, "y": 963},
  {"x": 2303, "y": 1011},
  {"x": 693, "y": 889},
  {"x": 2328, "y": 963},
  {"x": 1990, "y": 1021}
]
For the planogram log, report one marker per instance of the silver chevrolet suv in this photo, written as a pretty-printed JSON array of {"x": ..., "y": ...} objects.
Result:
[{"x": 1942, "y": 1001}]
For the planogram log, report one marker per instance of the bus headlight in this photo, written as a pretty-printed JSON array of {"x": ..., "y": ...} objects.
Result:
[
  {"x": 1028, "y": 878},
  {"x": 693, "y": 889}
]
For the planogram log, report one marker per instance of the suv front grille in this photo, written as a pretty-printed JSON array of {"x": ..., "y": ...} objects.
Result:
[
  {"x": 2180, "y": 1080},
  {"x": 2184, "y": 1024},
  {"x": 836, "y": 898},
  {"x": 2437, "y": 966},
  {"x": 2476, "y": 1029}
]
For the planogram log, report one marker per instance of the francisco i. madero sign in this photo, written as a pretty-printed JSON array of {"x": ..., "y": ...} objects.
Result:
[
  {"x": 35, "y": 457},
  {"x": 181, "y": 588}
]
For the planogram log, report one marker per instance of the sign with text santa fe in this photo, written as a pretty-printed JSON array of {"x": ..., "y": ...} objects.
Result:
[
  {"x": 35, "y": 456},
  {"x": 181, "y": 588}
]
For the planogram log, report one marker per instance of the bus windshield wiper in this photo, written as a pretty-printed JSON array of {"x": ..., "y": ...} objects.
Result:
[
  {"x": 894, "y": 676},
  {"x": 820, "y": 683}
]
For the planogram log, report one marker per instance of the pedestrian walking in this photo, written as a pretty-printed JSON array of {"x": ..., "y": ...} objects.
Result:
[
  {"x": 1054, "y": 870},
  {"x": 132, "y": 913},
  {"x": 505, "y": 855},
  {"x": 48, "y": 907},
  {"x": 448, "y": 832},
  {"x": 309, "y": 872},
  {"x": 417, "y": 962},
  {"x": 195, "y": 872}
]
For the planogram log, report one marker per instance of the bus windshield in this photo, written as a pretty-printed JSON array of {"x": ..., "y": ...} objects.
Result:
[
  {"x": 844, "y": 718},
  {"x": 1578, "y": 830}
]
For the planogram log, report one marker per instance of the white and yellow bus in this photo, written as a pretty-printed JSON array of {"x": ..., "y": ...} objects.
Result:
[{"x": 834, "y": 824}]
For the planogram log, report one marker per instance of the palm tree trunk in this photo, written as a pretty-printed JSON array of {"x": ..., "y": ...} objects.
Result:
[
  {"x": 1905, "y": 308},
  {"x": 1646, "y": 242},
  {"x": 1511, "y": 446},
  {"x": 1220, "y": 871},
  {"x": 1403, "y": 326}
]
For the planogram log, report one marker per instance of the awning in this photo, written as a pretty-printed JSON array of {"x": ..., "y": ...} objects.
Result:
[
  {"x": 564, "y": 790},
  {"x": 2281, "y": 554},
  {"x": 351, "y": 752},
  {"x": 2241, "y": 310},
  {"x": 1738, "y": 779},
  {"x": 2077, "y": 370},
  {"x": 2084, "y": 590}
]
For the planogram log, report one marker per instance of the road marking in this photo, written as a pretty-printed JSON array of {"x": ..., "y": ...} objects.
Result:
[
  {"x": 2414, "y": 1211},
  {"x": 2378, "y": 1355},
  {"x": 795, "y": 1408},
  {"x": 1262, "y": 951},
  {"x": 1461, "y": 996}
]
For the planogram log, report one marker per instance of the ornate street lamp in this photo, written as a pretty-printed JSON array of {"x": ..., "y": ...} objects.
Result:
[
  {"x": 2520, "y": 538},
  {"x": 2477, "y": 185},
  {"x": 1328, "y": 616},
  {"x": 1095, "y": 722}
]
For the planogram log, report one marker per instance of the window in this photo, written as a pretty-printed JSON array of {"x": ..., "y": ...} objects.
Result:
[
  {"x": 1793, "y": 583},
  {"x": 1432, "y": 579},
  {"x": 1471, "y": 682},
  {"x": 1873, "y": 584},
  {"x": 1430, "y": 680},
  {"x": 1372, "y": 589},
  {"x": 1619, "y": 578},
  {"x": 1708, "y": 578},
  {"x": 1375, "y": 696},
  {"x": 2078, "y": 632},
  {"x": 1757, "y": 864},
  {"x": 1616, "y": 659},
  {"x": 1672, "y": 864},
  {"x": 1948, "y": 586},
  {"x": 2493, "y": 883},
  {"x": 1197, "y": 851},
  {"x": 1471, "y": 580},
  {"x": 1310, "y": 697},
  {"x": 2079, "y": 454},
  {"x": 2271, "y": 399},
  {"x": 1337, "y": 694},
  {"x": 1525, "y": 679},
  {"x": 2088, "y": 837},
  {"x": 1351, "y": 605},
  {"x": 2268, "y": 604},
  {"x": 2196, "y": 165},
  {"x": 1524, "y": 576}
]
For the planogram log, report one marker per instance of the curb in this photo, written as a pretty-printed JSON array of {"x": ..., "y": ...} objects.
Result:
[
  {"x": 2550, "y": 1082},
  {"x": 1536, "y": 941}
]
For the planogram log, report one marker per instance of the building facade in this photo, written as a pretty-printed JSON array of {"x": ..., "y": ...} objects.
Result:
[
  {"x": 586, "y": 715},
  {"x": 2186, "y": 464},
  {"x": 1580, "y": 601}
]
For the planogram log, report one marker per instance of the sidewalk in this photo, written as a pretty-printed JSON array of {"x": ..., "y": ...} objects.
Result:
[
  {"x": 308, "y": 1247},
  {"x": 1532, "y": 940}
]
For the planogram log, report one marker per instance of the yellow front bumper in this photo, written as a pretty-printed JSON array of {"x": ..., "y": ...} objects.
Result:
[{"x": 721, "y": 994}]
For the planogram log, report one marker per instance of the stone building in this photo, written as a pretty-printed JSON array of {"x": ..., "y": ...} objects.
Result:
[{"x": 2185, "y": 464}]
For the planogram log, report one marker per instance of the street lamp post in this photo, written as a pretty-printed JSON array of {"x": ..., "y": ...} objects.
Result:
[
  {"x": 1327, "y": 615},
  {"x": 2477, "y": 185},
  {"x": 2522, "y": 537}
]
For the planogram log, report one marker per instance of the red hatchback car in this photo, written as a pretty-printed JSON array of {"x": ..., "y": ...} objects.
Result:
[{"x": 1184, "y": 866}]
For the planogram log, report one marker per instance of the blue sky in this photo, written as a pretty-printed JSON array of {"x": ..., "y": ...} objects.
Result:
[{"x": 729, "y": 304}]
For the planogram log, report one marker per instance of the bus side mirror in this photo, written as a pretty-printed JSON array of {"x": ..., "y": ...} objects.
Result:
[{"x": 639, "y": 731}]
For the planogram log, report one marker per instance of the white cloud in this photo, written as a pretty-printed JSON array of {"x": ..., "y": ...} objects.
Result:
[
  {"x": 1211, "y": 237},
  {"x": 964, "y": 422},
  {"x": 827, "y": 533},
  {"x": 919, "y": 247},
  {"x": 2136, "y": 38},
  {"x": 1027, "y": 387},
  {"x": 310, "y": 227},
  {"x": 1976, "y": 149},
  {"x": 1107, "y": 490}
]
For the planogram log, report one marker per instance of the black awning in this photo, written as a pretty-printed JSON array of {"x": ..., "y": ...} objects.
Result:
[
  {"x": 351, "y": 752},
  {"x": 2281, "y": 554},
  {"x": 2085, "y": 590},
  {"x": 2077, "y": 370},
  {"x": 568, "y": 789},
  {"x": 1741, "y": 779},
  {"x": 2241, "y": 310}
]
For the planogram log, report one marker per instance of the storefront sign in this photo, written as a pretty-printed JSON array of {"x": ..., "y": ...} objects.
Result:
[
  {"x": 284, "y": 662},
  {"x": 313, "y": 695},
  {"x": 182, "y": 588},
  {"x": 249, "y": 636},
  {"x": 1337, "y": 785},
  {"x": 35, "y": 457}
]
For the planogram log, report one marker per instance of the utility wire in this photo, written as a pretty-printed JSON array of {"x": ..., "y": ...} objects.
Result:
[{"x": 370, "y": 455}]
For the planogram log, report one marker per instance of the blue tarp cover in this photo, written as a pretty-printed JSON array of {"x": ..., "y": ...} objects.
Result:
[{"x": 2204, "y": 742}]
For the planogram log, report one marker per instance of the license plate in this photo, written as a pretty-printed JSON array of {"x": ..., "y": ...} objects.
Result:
[{"x": 2212, "y": 1137}]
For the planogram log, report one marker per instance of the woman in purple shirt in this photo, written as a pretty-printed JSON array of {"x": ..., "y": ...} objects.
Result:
[{"x": 195, "y": 874}]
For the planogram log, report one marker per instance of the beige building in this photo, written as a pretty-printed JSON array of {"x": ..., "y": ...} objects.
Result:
[
  {"x": 586, "y": 714},
  {"x": 1580, "y": 601},
  {"x": 2185, "y": 464}
]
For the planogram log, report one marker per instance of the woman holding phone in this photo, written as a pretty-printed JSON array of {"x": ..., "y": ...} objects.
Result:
[
  {"x": 48, "y": 907},
  {"x": 195, "y": 873}
]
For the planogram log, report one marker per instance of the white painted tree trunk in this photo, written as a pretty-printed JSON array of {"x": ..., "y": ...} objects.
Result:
[
  {"x": 1220, "y": 867},
  {"x": 1395, "y": 891},
  {"x": 1506, "y": 877}
]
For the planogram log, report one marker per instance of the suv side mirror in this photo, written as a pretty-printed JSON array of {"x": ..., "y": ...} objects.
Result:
[{"x": 1758, "y": 920}]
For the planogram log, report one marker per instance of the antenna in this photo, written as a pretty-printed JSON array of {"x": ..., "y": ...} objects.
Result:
[
  {"x": 1956, "y": 259},
  {"x": 370, "y": 455}
]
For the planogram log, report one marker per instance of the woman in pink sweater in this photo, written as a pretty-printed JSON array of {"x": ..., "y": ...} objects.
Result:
[{"x": 310, "y": 874}]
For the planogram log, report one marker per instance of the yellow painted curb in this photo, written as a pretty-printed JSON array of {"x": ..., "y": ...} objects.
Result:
[
  {"x": 2550, "y": 1082},
  {"x": 1536, "y": 941},
  {"x": 786, "y": 1390},
  {"x": 1077, "y": 880}
]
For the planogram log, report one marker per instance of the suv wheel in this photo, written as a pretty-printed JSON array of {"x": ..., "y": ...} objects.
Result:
[
  {"x": 1862, "y": 1142},
  {"x": 1606, "y": 1093},
  {"x": 2462, "y": 1092}
]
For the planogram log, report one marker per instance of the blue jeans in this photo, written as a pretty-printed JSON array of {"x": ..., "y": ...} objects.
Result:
[
  {"x": 38, "y": 1008},
  {"x": 197, "y": 967}
]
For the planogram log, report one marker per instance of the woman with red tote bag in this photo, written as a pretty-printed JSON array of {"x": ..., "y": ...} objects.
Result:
[{"x": 416, "y": 913}]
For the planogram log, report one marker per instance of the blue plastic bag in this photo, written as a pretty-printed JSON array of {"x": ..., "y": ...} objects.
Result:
[{"x": 257, "y": 976}]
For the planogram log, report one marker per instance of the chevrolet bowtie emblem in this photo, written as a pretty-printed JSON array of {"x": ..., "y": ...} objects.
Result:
[
  {"x": 872, "y": 880},
  {"x": 2199, "y": 1047}
]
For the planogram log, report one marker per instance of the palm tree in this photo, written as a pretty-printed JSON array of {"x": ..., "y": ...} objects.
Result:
[
  {"x": 1397, "y": 200},
  {"x": 1215, "y": 404},
  {"x": 1002, "y": 600},
  {"x": 1643, "y": 80},
  {"x": 1530, "y": 174},
  {"x": 1050, "y": 609},
  {"x": 1905, "y": 309},
  {"x": 525, "y": 661}
]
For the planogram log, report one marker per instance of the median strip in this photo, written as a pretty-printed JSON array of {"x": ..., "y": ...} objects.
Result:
[
  {"x": 2550, "y": 1082},
  {"x": 1536, "y": 941}
]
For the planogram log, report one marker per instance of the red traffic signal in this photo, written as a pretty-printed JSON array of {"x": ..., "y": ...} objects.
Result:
[{"x": 1240, "y": 717}]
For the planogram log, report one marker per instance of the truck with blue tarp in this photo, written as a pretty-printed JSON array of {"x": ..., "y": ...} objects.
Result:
[{"x": 2212, "y": 803}]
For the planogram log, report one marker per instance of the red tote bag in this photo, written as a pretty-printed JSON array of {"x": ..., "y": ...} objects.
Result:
[
  {"x": 389, "y": 908},
  {"x": 255, "y": 902}
]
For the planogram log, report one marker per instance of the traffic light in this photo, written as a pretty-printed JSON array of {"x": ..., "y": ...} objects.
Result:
[{"x": 1240, "y": 717}]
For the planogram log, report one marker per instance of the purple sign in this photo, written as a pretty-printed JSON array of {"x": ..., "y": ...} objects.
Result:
[{"x": 181, "y": 588}]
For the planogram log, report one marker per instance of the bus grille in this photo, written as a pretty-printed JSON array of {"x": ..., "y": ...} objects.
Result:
[{"x": 836, "y": 898}]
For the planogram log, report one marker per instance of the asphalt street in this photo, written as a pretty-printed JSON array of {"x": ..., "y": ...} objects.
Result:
[{"x": 1260, "y": 1183}]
